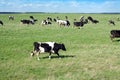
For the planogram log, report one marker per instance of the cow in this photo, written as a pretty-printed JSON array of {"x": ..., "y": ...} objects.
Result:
[
  {"x": 45, "y": 22},
  {"x": 1, "y": 22},
  {"x": 25, "y": 21},
  {"x": 47, "y": 47},
  {"x": 78, "y": 24},
  {"x": 114, "y": 34},
  {"x": 63, "y": 22},
  {"x": 81, "y": 23},
  {"x": 11, "y": 17},
  {"x": 92, "y": 20},
  {"x": 111, "y": 22}
]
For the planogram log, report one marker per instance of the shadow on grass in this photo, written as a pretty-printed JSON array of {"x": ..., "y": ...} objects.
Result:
[
  {"x": 61, "y": 56},
  {"x": 116, "y": 40}
]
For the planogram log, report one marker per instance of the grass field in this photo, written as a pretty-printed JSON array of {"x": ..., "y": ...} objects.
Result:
[{"x": 90, "y": 55}]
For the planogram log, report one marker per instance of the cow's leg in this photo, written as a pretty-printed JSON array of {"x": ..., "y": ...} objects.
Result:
[
  {"x": 111, "y": 36},
  {"x": 58, "y": 55},
  {"x": 38, "y": 58},
  {"x": 50, "y": 55}
]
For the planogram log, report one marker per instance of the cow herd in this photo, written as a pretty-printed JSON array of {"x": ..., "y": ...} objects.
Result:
[
  {"x": 54, "y": 47},
  {"x": 65, "y": 22}
]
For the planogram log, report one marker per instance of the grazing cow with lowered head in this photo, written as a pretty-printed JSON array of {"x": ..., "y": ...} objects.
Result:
[
  {"x": 111, "y": 22},
  {"x": 92, "y": 20},
  {"x": 114, "y": 34},
  {"x": 1, "y": 22},
  {"x": 45, "y": 22},
  {"x": 49, "y": 47},
  {"x": 63, "y": 22}
]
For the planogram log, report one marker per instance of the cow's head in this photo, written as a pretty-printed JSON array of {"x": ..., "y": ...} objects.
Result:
[{"x": 63, "y": 47}]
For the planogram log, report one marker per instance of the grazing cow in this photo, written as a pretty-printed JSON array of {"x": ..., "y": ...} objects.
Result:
[
  {"x": 45, "y": 22},
  {"x": 111, "y": 22},
  {"x": 11, "y": 17},
  {"x": 63, "y": 22},
  {"x": 95, "y": 21},
  {"x": 92, "y": 20},
  {"x": 81, "y": 23},
  {"x": 78, "y": 24},
  {"x": 114, "y": 34},
  {"x": 1, "y": 22},
  {"x": 24, "y": 21},
  {"x": 49, "y": 47}
]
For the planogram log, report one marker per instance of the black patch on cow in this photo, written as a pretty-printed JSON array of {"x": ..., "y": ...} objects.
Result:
[
  {"x": 36, "y": 46},
  {"x": 46, "y": 47},
  {"x": 68, "y": 23}
]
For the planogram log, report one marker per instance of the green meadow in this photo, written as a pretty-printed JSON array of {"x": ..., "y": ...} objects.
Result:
[{"x": 90, "y": 55}]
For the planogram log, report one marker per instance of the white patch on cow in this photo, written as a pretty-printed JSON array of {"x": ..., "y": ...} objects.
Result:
[
  {"x": 51, "y": 44},
  {"x": 62, "y": 22},
  {"x": 49, "y": 57},
  {"x": 52, "y": 51},
  {"x": 42, "y": 50}
]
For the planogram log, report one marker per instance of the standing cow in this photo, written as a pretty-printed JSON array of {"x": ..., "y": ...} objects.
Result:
[{"x": 49, "y": 47}]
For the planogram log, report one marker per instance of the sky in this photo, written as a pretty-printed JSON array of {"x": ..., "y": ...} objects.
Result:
[{"x": 61, "y": 6}]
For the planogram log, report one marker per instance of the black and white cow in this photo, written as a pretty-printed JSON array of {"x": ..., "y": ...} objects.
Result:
[
  {"x": 24, "y": 21},
  {"x": 63, "y": 22},
  {"x": 114, "y": 34},
  {"x": 11, "y": 17},
  {"x": 49, "y": 47},
  {"x": 45, "y": 22}
]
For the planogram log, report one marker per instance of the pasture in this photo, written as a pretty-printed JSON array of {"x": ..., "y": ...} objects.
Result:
[{"x": 90, "y": 55}]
